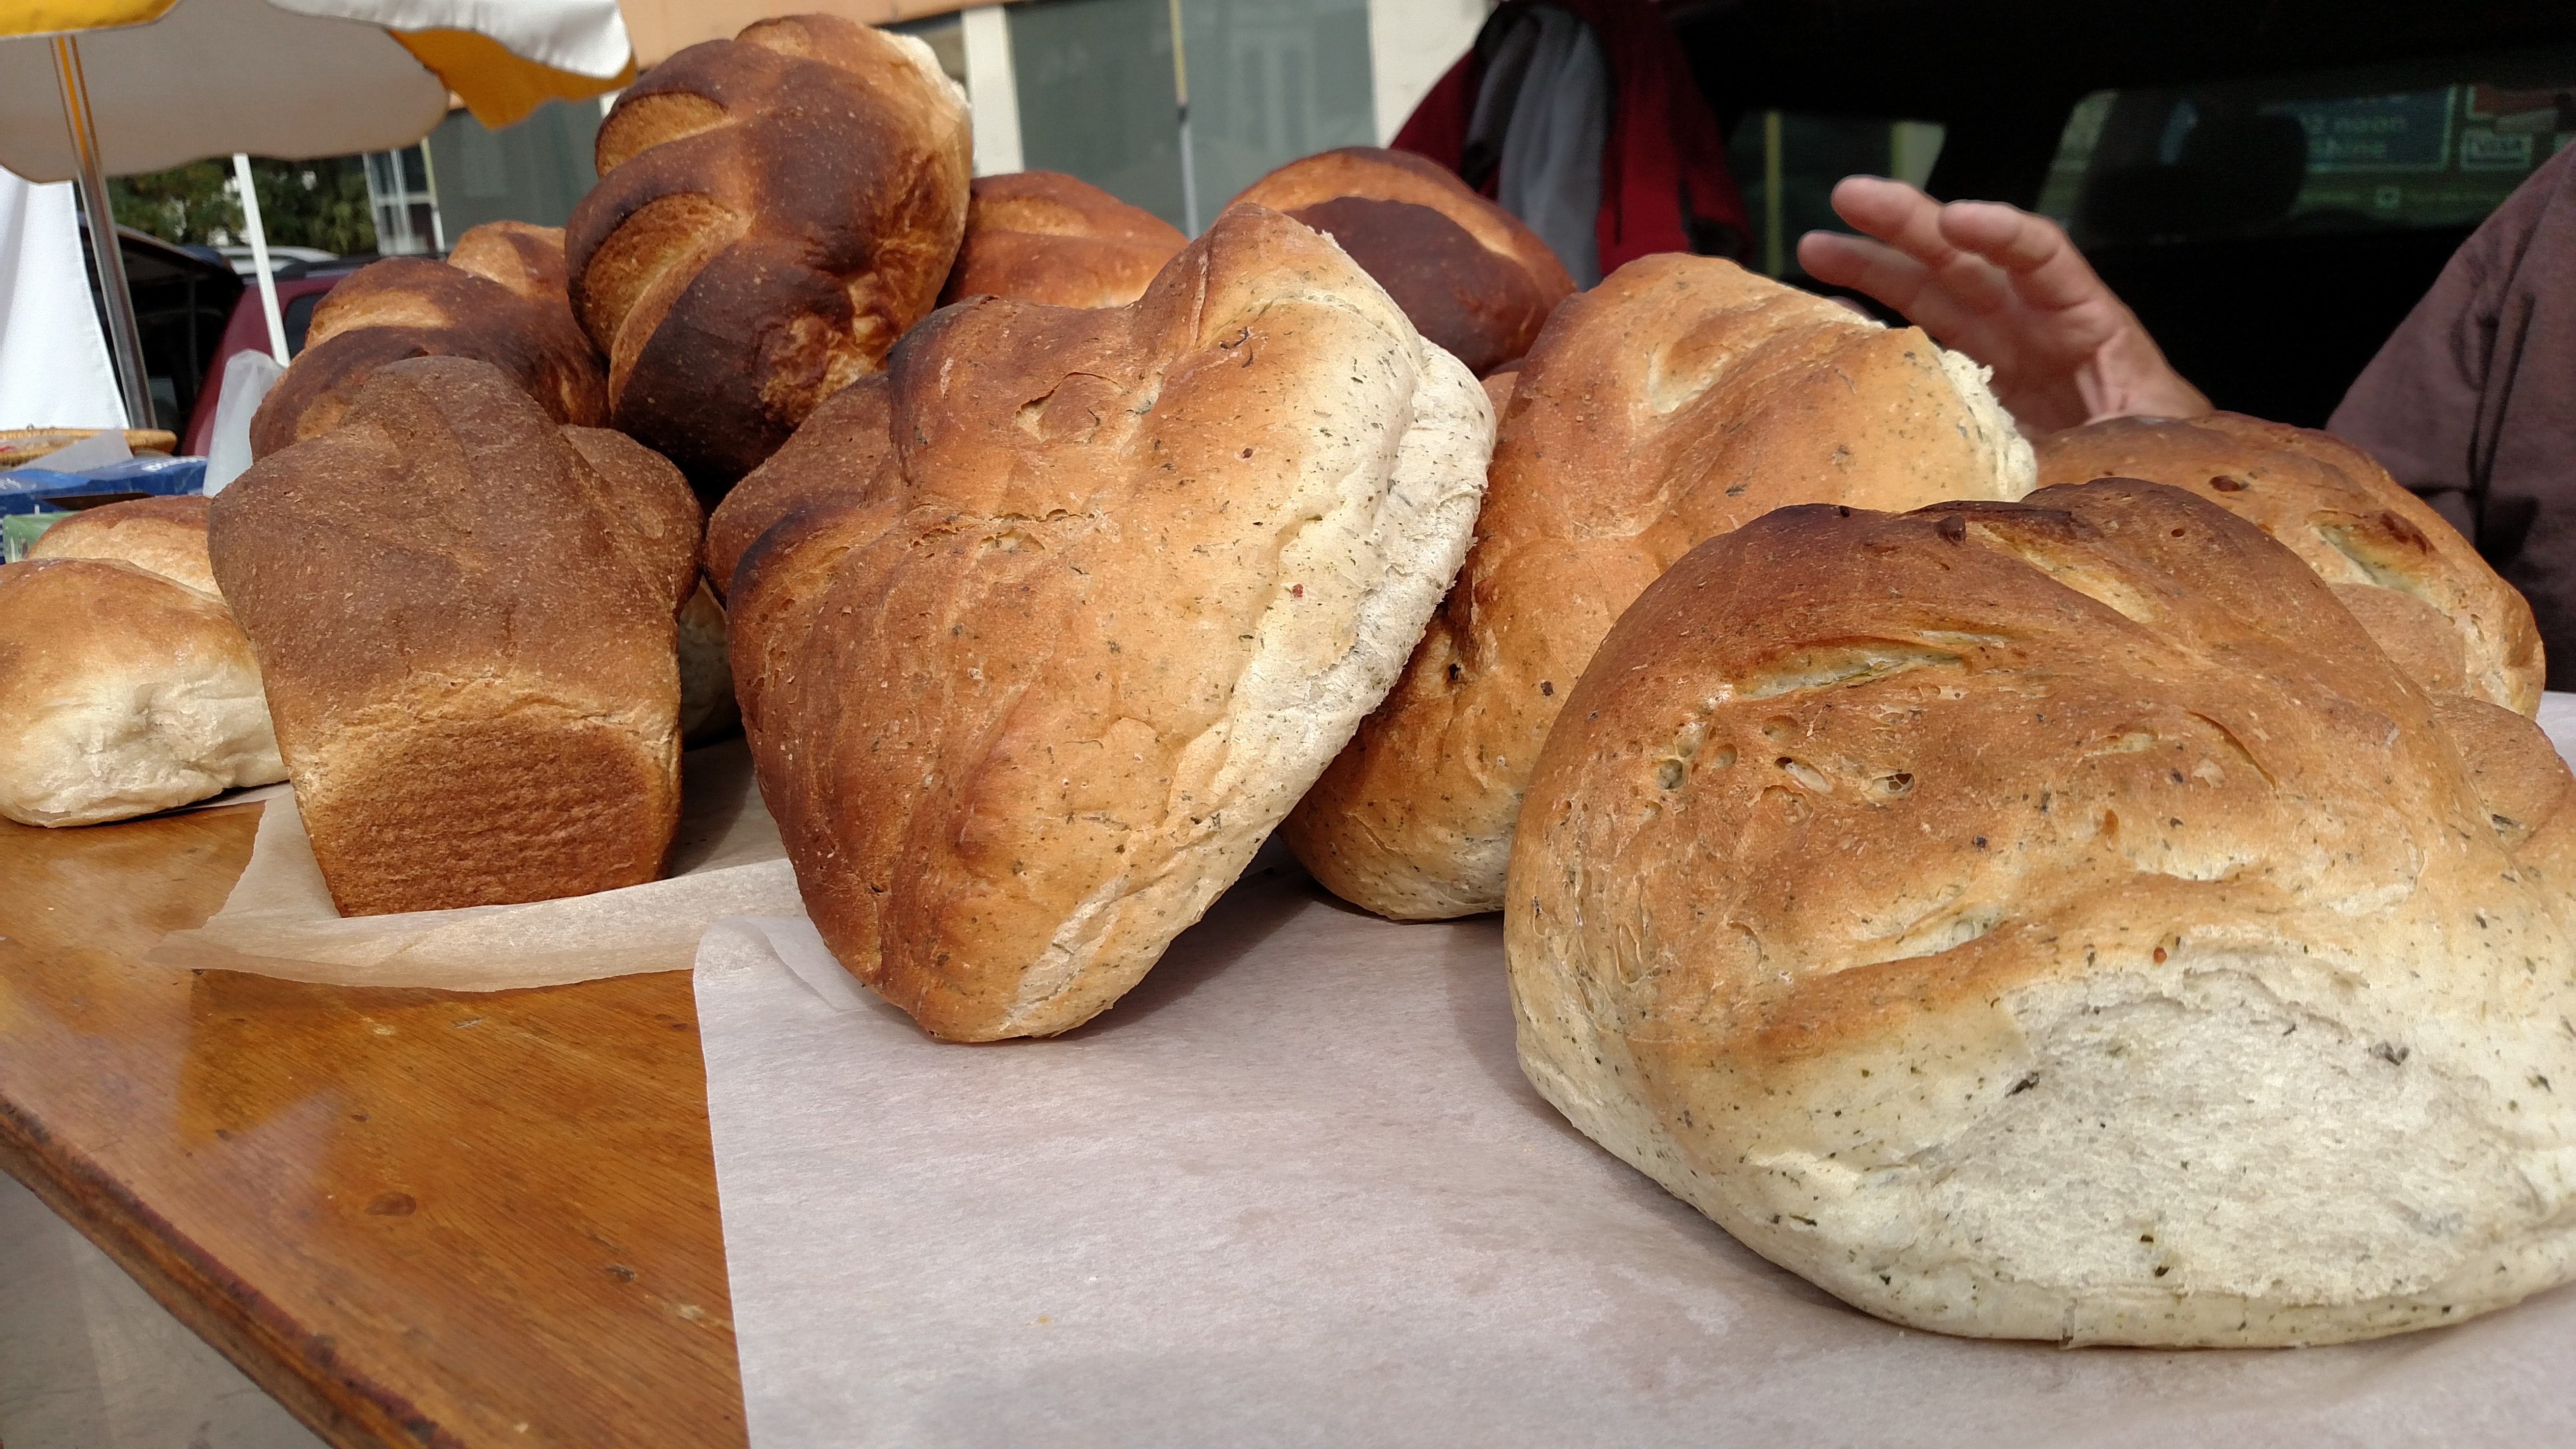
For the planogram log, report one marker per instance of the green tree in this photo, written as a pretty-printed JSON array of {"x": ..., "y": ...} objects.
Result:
[{"x": 320, "y": 204}]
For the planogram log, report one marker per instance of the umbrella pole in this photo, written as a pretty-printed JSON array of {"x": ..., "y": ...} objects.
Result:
[
  {"x": 259, "y": 258},
  {"x": 122, "y": 332},
  {"x": 1181, "y": 92}
]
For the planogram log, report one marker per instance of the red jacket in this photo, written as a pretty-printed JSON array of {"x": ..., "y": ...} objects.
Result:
[{"x": 1664, "y": 182}]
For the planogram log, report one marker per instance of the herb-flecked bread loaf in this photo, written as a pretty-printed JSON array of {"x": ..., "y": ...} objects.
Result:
[
  {"x": 1682, "y": 397},
  {"x": 2419, "y": 587},
  {"x": 2059, "y": 920},
  {"x": 1026, "y": 708}
]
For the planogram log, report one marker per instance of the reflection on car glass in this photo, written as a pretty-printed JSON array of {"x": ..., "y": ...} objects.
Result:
[{"x": 2307, "y": 154}]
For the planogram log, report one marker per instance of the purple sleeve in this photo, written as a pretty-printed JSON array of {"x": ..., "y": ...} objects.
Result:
[{"x": 2472, "y": 401}]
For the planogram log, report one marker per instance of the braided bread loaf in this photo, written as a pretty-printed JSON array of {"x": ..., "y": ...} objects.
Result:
[
  {"x": 498, "y": 298},
  {"x": 772, "y": 212}
]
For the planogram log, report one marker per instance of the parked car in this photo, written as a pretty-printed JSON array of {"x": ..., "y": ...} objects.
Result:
[
  {"x": 182, "y": 298},
  {"x": 2271, "y": 187},
  {"x": 301, "y": 285},
  {"x": 194, "y": 311}
]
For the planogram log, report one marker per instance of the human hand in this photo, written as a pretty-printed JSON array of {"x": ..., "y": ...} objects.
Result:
[{"x": 2009, "y": 290}]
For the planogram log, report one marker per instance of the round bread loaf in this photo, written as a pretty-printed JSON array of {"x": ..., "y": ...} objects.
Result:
[
  {"x": 498, "y": 298},
  {"x": 464, "y": 617},
  {"x": 2059, "y": 921},
  {"x": 122, "y": 692},
  {"x": 772, "y": 212},
  {"x": 166, "y": 536},
  {"x": 1042, "y": 236},
  {"x": 1026, "y": 712},
  {"x": 1682, "y": 397},
  {"x": 2419, "y": 588},
  {"x": 1468, "y": 273}
]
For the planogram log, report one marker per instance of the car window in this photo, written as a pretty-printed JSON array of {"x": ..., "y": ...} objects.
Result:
[
  {"x": 2433, "y": 147},
  {"x": 1786, "y": 164},
  {"x": 297, "y": 315}
]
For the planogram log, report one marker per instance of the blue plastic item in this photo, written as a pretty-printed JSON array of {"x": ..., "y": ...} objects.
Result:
[{"x": 25, "y": 490}]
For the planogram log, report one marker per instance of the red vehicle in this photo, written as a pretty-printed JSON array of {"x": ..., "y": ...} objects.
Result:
[{"x": 300, "y": 288}]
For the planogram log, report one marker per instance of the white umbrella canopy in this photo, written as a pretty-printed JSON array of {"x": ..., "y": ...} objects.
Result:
[
  {"x": 289, "y": 78},
  {"x": 91, "y": 88}
]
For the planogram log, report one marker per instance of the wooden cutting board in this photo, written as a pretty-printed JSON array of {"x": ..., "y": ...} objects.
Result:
[{"x": 414, "y": 1217}]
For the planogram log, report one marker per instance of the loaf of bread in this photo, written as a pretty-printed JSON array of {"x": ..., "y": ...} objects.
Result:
[
  {"x": 1042, "y": 236},
  {"x": 2058, "y": 921},
  {"x": 1026, "y": 712},
  {"x": 1681, "y": 398},
  {"x": 2419, "y": 588},
  {"x": 773, "y": 211},
  {"x": 464, "y": 617},
  {"x": 28, "y": 447},
  {"x": 166, "y": 536},
  {"x": 844, "y": 451},
  {"x": 499, "y": 298},
  {"x": 1470, "y": 275},
  {"x": 122, "y": 692}
]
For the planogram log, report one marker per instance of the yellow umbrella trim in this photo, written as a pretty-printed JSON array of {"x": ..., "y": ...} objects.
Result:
[
  {"x": 497, "y": 86},
  {"x": 50, "y": 17}
]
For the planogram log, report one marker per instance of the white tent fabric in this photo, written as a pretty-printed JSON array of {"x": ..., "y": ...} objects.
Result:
[
  {"x": 287, "y": 78},
  {"x": 54, "y": 370},
  {"x": 580, "y": 36},
  {"x": 204, "y": 80}
]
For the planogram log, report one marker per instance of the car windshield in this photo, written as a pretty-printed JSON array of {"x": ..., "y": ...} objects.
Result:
[{"x": 2434, "y": 146}]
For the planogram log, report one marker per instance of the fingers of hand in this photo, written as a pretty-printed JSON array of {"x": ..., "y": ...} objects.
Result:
[
  {"x": 2045, "y": 267},
  {"x": 1887, "y": 274},
  {"x": 1896, "y": 214}
]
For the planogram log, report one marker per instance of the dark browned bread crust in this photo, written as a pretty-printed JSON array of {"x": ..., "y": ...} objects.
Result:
[
  {"x": 499, "y": 298},
  {"x": 843, "y": 451},
  {"x": 464, "y": 620},
  {"x": 1132, "y": 576},
  {"x": 1469, "y": 274},
  {"x": 772, "y": 212}
]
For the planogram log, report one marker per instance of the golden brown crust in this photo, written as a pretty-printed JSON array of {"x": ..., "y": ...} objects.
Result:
[
  {"x": 1024, "y": 711},
  {"x": 665, "y": 530},
  {"x": 842, "y": 451},
  {"x": 1042, "y": 236},
  {"x": 2335, "y": 507},
  {"x": 165, "y": 535},
  {"x": 466, "y": 631},
  {"x": 20, "y": 447},
  {"x": 1681, "y": 398},
  {"x": 1896, "y": 888},
  {"x": 1469, "y": 274},
  {"x": 122, "y": 691},
  {"x": 773, "y": 211},
  {"x": 499, "y": 298}
]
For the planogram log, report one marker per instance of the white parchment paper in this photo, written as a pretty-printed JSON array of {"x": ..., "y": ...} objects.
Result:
[
  {"x": 726, "y": 860},
  {"x": 1294, "y": 1190}
]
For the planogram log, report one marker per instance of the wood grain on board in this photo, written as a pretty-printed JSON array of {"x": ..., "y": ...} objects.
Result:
[{"x": 414, "y": 1217}]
